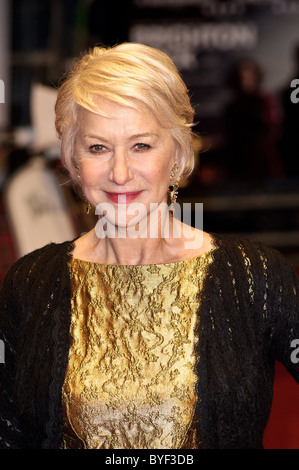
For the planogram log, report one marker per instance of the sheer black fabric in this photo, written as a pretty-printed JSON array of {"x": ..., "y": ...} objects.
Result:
[{"x": 248, "y": 317}]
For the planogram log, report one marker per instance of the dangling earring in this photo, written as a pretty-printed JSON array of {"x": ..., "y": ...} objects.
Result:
[
  {"x": 88, "y": 208},
  {"x": 173, "y": 187}
]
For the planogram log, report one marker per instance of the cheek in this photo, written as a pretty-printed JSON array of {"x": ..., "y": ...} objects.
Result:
[
  {"x": 91, "y": 173},
  {"x": 164, "y": 174},
  {"x": 161, "y": 169},
  {"x": 157, "y": 176}
]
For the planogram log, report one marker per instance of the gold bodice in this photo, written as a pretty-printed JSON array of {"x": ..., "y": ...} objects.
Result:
[{"x": 130, "y": 380}]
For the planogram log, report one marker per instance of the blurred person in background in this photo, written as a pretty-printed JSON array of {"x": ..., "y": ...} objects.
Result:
[
  {"x": 289, "y": 143},
  {"x": 253, "y": 122}
]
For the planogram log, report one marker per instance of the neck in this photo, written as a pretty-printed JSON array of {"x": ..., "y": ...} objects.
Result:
[
  {"x": 164, "y": 241},
  {"x": 124, "y": 252},
  {"x": 148, "y": 241},
  {"x": 181, "y": 242}
]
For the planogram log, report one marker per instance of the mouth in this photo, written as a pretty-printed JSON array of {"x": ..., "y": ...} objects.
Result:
[{"x": 123, "y": 198}]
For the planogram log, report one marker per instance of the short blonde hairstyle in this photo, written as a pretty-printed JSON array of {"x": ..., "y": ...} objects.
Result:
[{"x": 132, "y": 75}]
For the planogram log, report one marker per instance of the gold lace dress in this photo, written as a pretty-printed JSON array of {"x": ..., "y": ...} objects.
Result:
[{"x": 130, "y": 380}]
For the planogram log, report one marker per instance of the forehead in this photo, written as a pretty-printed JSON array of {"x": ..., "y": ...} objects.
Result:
[{"x": 116, "y": 118}]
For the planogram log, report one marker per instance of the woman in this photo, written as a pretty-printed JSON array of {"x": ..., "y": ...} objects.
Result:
[{"x": 131, "y": 336}]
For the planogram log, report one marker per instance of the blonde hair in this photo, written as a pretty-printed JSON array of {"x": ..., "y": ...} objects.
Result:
[{"x": 132, "y": 75}]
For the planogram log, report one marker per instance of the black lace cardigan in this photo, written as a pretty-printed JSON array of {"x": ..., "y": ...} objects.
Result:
[{"x": 249, "y": 316}]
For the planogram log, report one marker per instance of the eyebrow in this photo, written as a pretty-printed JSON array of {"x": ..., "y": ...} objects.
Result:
[
  {"x": 145, "y": 134},
  {"x": 132, "y": 137}
]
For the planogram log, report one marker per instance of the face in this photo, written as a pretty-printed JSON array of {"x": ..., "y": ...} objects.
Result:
[{"x": 125, "y": 158}]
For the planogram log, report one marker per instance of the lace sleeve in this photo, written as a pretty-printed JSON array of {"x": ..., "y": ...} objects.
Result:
[{"x": 10, "y": 430}]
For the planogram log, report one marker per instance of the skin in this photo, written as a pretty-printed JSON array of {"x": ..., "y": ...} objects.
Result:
[{"x": 128, "y": 154}]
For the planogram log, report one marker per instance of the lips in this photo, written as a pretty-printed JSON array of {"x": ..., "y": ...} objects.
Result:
[{"x": 123, "y": 198}]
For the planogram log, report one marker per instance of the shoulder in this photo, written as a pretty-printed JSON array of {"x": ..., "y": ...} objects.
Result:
[
  {"x": 253, "y": 258},
  {"x": 242, "y": 247},
  {"x": 39, "y": 262},
  {"x": 253, "y": 274}
]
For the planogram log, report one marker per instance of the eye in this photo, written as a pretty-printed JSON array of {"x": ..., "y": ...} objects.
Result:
[
  {"x": 141, "y": 146},
  {"x": 97, "y": 148}
]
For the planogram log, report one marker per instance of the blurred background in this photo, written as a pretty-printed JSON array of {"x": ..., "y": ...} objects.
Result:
[{"x": 240, "y": 60}]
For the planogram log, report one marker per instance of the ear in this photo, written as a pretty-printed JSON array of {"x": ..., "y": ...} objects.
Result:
[
  {"x": 174, "y": 174},
  {"x": 177, "y": 161}
]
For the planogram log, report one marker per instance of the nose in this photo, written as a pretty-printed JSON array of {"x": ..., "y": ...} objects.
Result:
[{"x": 120, "y": 172}]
